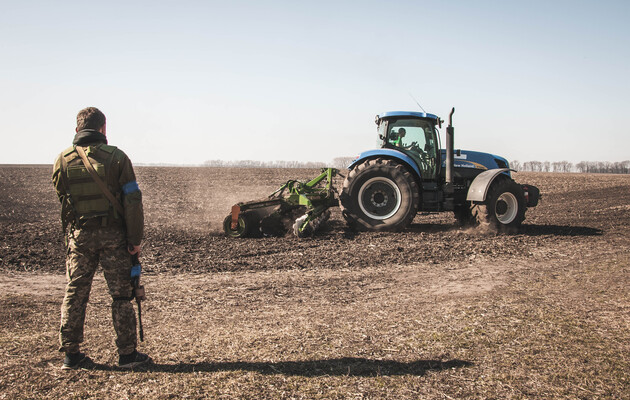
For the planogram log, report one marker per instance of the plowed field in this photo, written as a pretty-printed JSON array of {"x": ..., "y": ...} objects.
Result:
[{"x": 432, "y": 312}]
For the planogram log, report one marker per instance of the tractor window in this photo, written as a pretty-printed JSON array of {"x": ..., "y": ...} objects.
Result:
[{"x": 415, "y": 137}]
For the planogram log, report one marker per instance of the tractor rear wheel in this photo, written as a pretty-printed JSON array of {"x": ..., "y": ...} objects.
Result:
[
  {"x": 503, "y": 211},
  {"x": 379, "y": 195}
]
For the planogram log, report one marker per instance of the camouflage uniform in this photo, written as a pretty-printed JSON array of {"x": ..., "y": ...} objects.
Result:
[{"x": 98, "y": 234}]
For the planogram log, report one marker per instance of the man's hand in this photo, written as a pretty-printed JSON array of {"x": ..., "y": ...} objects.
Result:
[{"x": 132, "y": 249}]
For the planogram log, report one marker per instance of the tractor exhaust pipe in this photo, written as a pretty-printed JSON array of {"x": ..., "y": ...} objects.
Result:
[{"x": 450, "y": 159}]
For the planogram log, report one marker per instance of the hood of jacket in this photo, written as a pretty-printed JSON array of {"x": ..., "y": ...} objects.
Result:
[{"x": 89, "y": 136}]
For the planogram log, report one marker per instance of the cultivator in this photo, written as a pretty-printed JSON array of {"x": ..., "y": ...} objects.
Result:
[{"x": 298, "y": 206}]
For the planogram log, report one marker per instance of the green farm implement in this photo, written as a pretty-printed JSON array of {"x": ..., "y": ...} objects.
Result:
[{"x": 298, "y": 206}]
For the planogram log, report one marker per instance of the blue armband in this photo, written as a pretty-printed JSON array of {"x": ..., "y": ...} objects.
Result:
[
  {"x": 136, "y": 270},
  {"x": 130, "y": 187}
]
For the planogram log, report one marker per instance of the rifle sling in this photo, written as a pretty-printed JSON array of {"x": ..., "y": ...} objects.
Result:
[{"x": 99, "y": 181}]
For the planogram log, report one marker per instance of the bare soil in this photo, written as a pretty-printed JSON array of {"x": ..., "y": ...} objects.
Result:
[{"x": 432, "y": 312}]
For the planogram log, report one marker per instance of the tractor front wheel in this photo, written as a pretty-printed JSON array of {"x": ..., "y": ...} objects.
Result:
[
  {"x": 503, "y": 211},
  {"x": 379, "y": 195}
]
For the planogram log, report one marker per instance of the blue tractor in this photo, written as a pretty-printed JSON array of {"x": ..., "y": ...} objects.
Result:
[{"x": 409, "y": 173}]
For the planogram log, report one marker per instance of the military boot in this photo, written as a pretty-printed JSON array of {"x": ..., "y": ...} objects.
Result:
[
  {"x": 132, "y": 360},
  {"x": 74, "y": 360}
]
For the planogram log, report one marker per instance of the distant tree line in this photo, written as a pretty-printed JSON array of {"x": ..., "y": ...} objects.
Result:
[
  {"x": 603, "y": 167},
  {"x": 263, "y": 164},
  {"x": 598, "y": 167},
  {"x": 339, "y": 162}
]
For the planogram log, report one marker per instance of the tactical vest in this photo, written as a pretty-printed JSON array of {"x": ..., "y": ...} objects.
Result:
[{"x": 85, "y": 197}]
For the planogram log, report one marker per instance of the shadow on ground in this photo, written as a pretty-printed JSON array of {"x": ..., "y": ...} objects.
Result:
[
  {"x": 525, "y": 229},
  {"x": 348, "y": 366},
  {"x": 559, "y": 230}
]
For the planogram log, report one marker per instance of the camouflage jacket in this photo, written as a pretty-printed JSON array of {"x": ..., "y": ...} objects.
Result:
[{"x": 83, "y": 204}]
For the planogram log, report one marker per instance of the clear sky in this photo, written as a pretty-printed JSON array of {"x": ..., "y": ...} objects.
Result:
[{"x": 189, "y": 81}]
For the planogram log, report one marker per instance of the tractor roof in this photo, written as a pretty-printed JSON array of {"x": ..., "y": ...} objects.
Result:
[{"x": 407, "y": 114}]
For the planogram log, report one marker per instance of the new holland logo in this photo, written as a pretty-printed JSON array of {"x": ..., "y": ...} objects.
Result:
[{"x": 469, "y": 164}]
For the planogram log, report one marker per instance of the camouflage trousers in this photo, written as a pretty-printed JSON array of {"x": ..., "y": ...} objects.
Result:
[{"x": 86, "y": 249}]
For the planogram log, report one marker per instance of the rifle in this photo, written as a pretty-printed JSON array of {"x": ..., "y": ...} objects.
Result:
[{"x": 138, "y": 289}]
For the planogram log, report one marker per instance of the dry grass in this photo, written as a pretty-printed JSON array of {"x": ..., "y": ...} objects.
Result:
[{"x": 431, "y": 331}]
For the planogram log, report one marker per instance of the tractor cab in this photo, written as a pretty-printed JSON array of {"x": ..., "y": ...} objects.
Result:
[{"x": 414, "y": 134}]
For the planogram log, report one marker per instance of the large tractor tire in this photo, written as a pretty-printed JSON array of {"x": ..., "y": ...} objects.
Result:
[
  {"x": 503, "y": 211},
  {"x": 379, "y": 195}
]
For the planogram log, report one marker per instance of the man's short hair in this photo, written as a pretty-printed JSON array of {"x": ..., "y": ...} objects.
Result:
[{"x": 90, "y": 118}]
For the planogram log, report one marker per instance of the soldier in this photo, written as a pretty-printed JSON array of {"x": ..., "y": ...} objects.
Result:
[{"x": 100, "y": 231}]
